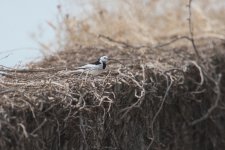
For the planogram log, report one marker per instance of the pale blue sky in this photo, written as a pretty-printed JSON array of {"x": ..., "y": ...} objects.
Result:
[{"x": 18, "y": 20}]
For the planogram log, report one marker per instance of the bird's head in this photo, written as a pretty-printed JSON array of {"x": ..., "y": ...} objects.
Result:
[{"x": 104, "y": 59}]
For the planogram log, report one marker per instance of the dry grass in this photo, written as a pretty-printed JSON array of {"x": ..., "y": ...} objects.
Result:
[
  {"x": 165, "y": 102},
  {"x": 137, "y": 22},
  {"x": 157, "y": 95}
]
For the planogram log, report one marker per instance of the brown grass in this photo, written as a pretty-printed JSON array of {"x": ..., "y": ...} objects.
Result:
[
  {"x": 157, "y": 95},
  {"x": 141, "y": 103},
  {"x": 137, "y": 22}
]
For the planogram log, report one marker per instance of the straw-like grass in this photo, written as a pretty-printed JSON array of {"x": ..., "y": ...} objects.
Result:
[
  {"x": 163, "y": 90},
  {"x": 136, "y": 104}
]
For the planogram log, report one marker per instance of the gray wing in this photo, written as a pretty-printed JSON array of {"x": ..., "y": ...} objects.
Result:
[{"x": 90, "y": 67}]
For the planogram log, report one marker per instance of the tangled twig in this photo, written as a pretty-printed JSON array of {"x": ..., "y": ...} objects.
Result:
[
  {"x": 159, "y": 110},
  {"x": 214, "y": 106},
  {"x": 141, "y": 87}
]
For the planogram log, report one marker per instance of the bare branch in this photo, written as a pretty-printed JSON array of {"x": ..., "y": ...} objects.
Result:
[
  {"x": 159, "y": 110},
  {"x": 39, "y": 127},
  {"x": 214, "y": 106},
  {"x": 191, "y": 30}
]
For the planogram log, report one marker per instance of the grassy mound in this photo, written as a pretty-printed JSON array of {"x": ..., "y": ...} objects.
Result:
[{"x": 150, "y": 98}]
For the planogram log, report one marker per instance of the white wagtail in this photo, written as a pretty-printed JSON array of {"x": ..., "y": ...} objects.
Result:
[{"x": 94, "y": 68}]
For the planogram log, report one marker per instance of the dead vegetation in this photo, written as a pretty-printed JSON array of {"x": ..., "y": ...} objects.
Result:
[
  {"x": 149, "y": 104},
  {"x": 168, "y": 95}
]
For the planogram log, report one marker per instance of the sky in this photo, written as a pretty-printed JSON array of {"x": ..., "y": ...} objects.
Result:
[{"x": 19, "y": 20}]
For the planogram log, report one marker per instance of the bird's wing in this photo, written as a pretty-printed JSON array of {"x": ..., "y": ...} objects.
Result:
[{"x": 89, "y": 67}]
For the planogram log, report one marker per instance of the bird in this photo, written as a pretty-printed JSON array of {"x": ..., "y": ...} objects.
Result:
[{"x": 94, "y": 68}]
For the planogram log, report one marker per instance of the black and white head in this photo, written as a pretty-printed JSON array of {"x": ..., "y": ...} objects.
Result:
[{"x": 104, "y": 59}]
